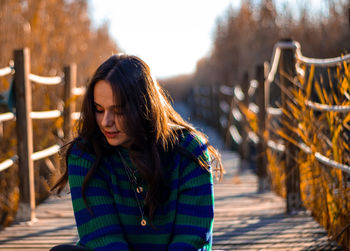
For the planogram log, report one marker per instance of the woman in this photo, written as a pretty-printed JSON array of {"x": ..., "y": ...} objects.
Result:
[{"x": 140, "y": 176}]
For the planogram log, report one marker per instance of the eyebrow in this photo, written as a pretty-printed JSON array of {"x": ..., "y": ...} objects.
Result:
[{"x": 113, "y": 106}]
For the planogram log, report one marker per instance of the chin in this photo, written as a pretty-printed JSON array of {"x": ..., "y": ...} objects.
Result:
[{"x": 118, "y": 142}]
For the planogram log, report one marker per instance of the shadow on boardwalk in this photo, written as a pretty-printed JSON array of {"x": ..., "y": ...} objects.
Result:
[{"x": 244, "y": 219}]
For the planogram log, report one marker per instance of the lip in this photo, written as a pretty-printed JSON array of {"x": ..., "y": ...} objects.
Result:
[{"x": 111, "y": 134}]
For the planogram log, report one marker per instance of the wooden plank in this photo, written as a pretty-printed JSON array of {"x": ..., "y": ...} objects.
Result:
[{"x": 55, "y": 225}]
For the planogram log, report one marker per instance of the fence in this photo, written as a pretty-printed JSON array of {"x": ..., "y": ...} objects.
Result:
[
  {"x": 22, "y": 78},
  {"x": 275, "y": 113}
]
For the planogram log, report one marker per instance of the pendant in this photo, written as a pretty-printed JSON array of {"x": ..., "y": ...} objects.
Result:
[
  {"x": 139, "y": 189},
  {"x": 143, "y": 222}
]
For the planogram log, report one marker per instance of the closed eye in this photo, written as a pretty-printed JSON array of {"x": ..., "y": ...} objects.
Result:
[{"x": 98, "y": 109}]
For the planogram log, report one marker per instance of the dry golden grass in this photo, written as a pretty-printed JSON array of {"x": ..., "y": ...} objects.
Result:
[{"x": 324, "y": 190}]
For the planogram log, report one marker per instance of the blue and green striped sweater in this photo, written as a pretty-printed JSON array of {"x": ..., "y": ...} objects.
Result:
[{"x": 184, "y": 222}]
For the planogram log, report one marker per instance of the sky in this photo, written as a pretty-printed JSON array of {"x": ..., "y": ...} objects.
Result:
[{"x": 170, "y": 36}]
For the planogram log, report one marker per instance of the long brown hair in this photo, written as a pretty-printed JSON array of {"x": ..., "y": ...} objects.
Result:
[{"x": 149, "y": 122}]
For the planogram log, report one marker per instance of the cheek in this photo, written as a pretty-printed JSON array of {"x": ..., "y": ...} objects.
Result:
[
  {"x": 119, "y": 120},
  {"x": 98, "y": 118}
]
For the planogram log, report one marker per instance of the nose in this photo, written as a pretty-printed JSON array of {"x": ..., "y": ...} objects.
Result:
[{"x": 108, "y": 119}]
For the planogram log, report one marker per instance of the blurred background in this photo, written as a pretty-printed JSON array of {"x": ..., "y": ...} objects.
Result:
[{"x": 186, "y": 43}]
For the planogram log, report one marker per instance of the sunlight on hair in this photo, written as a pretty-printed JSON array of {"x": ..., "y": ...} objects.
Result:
[{"x": 161, "y": 96}]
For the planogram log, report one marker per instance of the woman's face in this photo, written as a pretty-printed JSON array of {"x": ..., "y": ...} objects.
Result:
[{"x": 108, "y": 115}]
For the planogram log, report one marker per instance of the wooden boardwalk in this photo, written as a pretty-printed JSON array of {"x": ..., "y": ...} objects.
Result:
[
  {"x": 55, "y": 225},
  {"x": 244, "y": 220},
  {"x": 247, "y": 220}
]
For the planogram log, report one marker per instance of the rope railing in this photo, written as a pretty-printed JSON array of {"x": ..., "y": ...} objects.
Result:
[
  {"x": 8, "y": 116},
  {"x": 46, "y": 152},
  {"x": 78, "y": 91},
  {"x": 253, "y": 108},
  {"x": 24, "y": 115},
  {"x": 75, "y": 115},
  {"x": 327, "y": 62},
  {"x": 46, "y": 114},
  {"x": 238, "y": 93},
  {"x": 45, "y": 80},
  {"x": 236, "y": 114},
  {"x": 272, "y": 111},
  {"x": 331, "y": 163},
  {"x": 306, "y": 149},
  {"x": 8, "y": 163},
  {"x": 329, "y": 108},
  {"x": 226, "y": 90},
  {"x": 253, "y": 137},
  {"x": 223, "y": 121},
  {"x": 225, "y": 108},
  {"x": 276, "y": 146},
  {"x": 323, "y": 159},
  {"x": 6, "y": 71},
  {"x": 235, "y": 135},
  {"x": 253, "y": 85},
  {"x": 35, "y": 156}
]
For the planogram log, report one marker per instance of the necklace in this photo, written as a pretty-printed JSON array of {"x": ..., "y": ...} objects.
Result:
[{"x": 135, "y": 186}]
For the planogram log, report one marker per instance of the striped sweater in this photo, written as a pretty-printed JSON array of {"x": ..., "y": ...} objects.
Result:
[{"x": 184, "y": 222}]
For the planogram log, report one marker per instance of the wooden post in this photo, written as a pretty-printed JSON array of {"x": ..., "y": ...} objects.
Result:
[
  {"x": 287, "y": 71},
  {"x": 261, "y": 159},
  {"x": 244, "y": 147},
  {"x": 216, "y": 107},
  {"x": 197, "y": 103},
  {"x": 23, "y": 94},
  {"x": 213, "y": 112},
  {"x": 70, "y": 79}
]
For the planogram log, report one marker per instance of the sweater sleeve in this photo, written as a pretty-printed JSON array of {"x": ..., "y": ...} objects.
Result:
[
  {"x": 195, "y": 205},
  {"x": 100, "y": 230}
]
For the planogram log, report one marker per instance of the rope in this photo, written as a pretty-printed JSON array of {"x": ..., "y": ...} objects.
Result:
[
  {"x": 78, "y": 91},
  {"x": 327, "y": 62},
  {"x": 274, "y": 111},
  {"x": 253, "y": 108},
  {"x": 324, "y": 160},
  {"x": 237, "y": 114},
  {"x": 226, "y": 90},
  {"x": 35, "y": 156},
  {"x": 45, "y": 80},
  {"x": 223, "y": 121},
  {"x": 6, "y": 116},
  {"x": 276, "y": 146},
  {"x": 235, "y": 134},
  {"x": 253, "y": 137},
  {"x": 274, "y": 66},
  {"x": 75, "y": 115},
  {"x": 5, "y": 71},
  {"x": 328, "y": 108},
  {"x": 225, "y": 108},
  {"x": 46, "y": 114},
  {"x": 253, "y": 85},
  {"x": 8, "y": 163},
  {"x": 46, "y": 152},
  {"x": 238, "y": 93},
  {"x": 321, "y": 158},
  {"x": 276, "y": 57}
]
